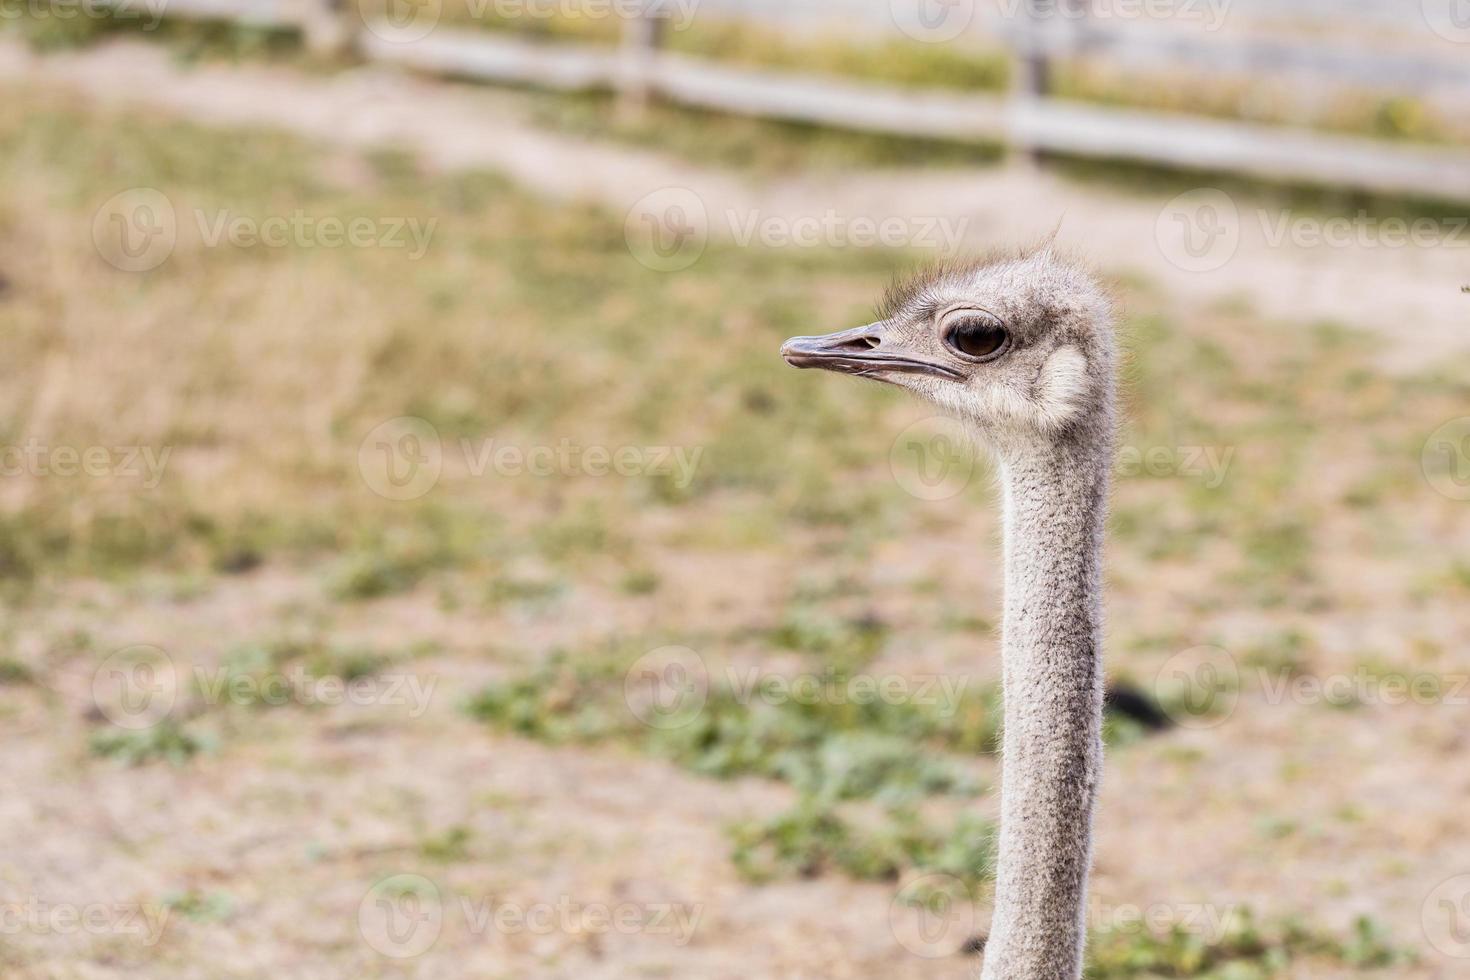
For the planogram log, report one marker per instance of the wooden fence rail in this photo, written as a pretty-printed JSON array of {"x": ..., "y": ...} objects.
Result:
[
  {"x": 1150, "y": 46},
  {"x": 1027, "y": 119}
]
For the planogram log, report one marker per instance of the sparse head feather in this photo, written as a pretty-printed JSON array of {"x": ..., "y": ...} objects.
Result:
[
  {"x": 1059, "y": 373},
  {"x": 1042, "y": 259},
  {"x": 908, "y": 290}
]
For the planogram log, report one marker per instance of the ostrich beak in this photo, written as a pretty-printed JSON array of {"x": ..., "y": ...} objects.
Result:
[{"x": 867, "y": 352}]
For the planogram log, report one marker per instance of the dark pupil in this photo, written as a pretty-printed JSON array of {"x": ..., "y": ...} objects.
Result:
[{"x": 977, "y": 338}]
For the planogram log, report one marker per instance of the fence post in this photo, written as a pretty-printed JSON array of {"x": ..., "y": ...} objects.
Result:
[
  {"x": 326, "y": 28},
  {"x": 1032, "y": 75},
  {"x": 642, "y": 37}
]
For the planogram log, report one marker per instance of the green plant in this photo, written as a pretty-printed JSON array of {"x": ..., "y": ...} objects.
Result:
[
  {"x": 452, "y": 845},
  {"x": 812, "y": 736},
  {"x": 1244, "y": 950},
  {"x": 168, "y": 740},
  {"x": 198, "y": 906},
  {"x": 13, "y": 671},
  {"x": 812, "y": 839}
]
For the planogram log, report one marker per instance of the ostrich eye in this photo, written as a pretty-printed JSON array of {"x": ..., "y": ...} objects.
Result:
[{"x": 977, "y": 335}]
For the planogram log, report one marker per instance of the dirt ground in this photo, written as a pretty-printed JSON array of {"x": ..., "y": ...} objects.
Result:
[{"x": 296, "y": 821}]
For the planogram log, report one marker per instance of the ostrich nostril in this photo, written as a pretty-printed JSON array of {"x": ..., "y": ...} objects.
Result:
[{"x": 848, "y": 351}]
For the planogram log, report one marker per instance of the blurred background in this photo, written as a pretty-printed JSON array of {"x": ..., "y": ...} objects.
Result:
[{"x": 417, "y": 562}]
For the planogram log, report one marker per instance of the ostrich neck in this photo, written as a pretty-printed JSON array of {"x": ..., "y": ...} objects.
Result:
[{"x": 1055, "y": 507}]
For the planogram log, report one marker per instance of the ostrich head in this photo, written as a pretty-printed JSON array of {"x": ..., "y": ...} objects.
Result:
[{"x": 1020, "y": 347}]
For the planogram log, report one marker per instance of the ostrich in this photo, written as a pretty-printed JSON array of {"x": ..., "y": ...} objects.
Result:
[{"x": 1020, "y": 349}]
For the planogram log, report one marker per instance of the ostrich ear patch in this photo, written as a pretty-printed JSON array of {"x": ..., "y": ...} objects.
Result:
[{"x": 1061, "y": 387}]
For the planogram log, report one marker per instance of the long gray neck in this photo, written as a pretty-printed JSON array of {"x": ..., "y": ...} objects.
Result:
[{"x": 1055, "y": 509}]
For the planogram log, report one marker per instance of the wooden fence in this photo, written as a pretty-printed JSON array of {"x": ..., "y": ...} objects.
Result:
[{"x": 1027, "y": 118}]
